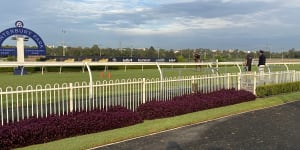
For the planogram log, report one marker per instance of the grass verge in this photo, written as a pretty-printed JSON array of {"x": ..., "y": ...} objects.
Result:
[
  {"x": 37, "y": 78},
  {"x": 153, "y": 126}
]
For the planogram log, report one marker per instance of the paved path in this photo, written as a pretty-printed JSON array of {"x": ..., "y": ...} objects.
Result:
[{"x": 276, "y": 128}]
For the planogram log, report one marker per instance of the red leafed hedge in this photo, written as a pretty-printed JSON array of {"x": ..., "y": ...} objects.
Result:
[
  {"x": 33, "y": 131},
  {"x": 191, "y": 103}
]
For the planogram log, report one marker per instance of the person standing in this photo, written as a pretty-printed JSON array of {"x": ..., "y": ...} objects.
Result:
[
  {"x": 261, "y": 64},
  {"x": 197, "y": 60},
  {"x": 248, "y": 61},
  {"x": 197, "y": 57}
]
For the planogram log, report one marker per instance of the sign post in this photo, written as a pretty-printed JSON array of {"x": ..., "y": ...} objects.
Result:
[{"x": 20, "y": 49}]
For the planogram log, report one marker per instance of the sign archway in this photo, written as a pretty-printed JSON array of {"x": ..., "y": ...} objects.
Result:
[{"x": 20, "y": 32}]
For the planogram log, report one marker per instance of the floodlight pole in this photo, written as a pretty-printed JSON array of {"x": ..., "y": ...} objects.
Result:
[
  {"x": 63, "y": 43},
  {"x": 131, "y": 52},
  {"x": 100, "y": 53}
]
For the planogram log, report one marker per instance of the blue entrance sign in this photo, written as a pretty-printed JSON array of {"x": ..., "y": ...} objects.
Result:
[
  {"x": 8, "y": 51},
  {"x": 38, "y": 52},
  {"x": 17, "y": 31}
]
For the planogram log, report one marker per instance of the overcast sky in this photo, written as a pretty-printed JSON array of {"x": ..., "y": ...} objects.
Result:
[{"x": 168, "y": 24}]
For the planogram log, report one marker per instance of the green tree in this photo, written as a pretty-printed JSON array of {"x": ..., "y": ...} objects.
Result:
[
  {"x": 180, "y": 58},
  {"x": 151, "y": 53}
]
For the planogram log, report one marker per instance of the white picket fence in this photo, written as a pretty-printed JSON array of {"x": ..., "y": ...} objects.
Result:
[{"x": 42, "y": 101}]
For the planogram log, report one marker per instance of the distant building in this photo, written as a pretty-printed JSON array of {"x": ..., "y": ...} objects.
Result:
[{"x": 51, "y": 46}]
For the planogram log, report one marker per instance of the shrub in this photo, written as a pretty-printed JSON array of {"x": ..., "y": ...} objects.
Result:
[
  {"x": 40, "y": 130},
  {"x": 191, "y": 103},
  {"x": 274, "y": 89}
]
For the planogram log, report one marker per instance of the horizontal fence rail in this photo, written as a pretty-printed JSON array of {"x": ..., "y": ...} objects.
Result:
[{"x": 61, "y": 99}]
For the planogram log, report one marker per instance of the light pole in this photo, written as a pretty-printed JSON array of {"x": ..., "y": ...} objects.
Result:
[
  {"x": 158, "y": 52},
  {"x": 131, "y": 51},
  {"x": 100, "y": 50},
  {"x": 282, "y": 54},
  {"x": 63, "y": 43}
]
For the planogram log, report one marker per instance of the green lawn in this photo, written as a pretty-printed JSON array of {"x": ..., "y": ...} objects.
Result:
[
  {"x": 153, "y": 126},
  {"x": 37, "y": 78},
  {"x": 72, "y": 75}
]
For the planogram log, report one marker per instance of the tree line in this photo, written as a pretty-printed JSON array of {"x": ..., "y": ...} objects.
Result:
[{"x": 182, "y": 55}]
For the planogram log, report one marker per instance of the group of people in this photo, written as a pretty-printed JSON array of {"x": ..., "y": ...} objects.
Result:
[
  {"x": 248, "y": 60},
  {"x": 261, "y": 61}
]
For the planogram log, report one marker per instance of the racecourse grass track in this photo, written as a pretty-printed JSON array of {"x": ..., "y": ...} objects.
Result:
[{"x": 77, "y": 75}]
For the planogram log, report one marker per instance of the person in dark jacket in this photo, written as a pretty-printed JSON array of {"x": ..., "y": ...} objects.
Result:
[
  {"x": 261, "y": 59},
  {"x": 261, "y": 64},
  {"x": 197, "y": 60},
  {"x": 248, "y": 61}
]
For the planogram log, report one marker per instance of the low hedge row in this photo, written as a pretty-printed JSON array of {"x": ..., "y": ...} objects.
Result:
[
  {"x": 274, "y": 89},
  {"x": 34, "y": 131},
  {"x": 191, "y": 103}
]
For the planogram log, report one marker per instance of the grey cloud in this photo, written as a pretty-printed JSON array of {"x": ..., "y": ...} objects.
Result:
[
  {"x": 209, "y": 9},
  {"x": 260, "y": 22},
  {"x": 188, "y": 10}
]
